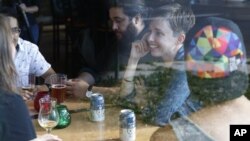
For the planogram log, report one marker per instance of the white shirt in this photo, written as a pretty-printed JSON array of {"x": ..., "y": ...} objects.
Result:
[{"x": 29, "y": 60}]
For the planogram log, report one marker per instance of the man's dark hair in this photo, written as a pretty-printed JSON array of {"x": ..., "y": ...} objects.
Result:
[{"x": 130, "y": 7}]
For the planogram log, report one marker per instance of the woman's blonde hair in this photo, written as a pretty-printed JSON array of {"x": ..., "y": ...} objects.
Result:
[{"x": 7, "y": 69}]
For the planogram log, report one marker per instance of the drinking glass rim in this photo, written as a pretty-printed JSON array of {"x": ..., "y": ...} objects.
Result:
[
  {"x": 58, "y": 74},
  {"x": 47, "y": 99}
]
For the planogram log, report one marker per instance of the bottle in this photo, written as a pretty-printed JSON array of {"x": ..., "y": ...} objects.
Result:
[{"x": 64, "y": 116}]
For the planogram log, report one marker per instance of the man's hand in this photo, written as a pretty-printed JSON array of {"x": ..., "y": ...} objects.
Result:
[
  {"x": 27, "y": 95},
  {"x": 77, "y": 87}
]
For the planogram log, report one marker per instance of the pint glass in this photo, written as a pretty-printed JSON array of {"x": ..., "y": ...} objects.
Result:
[{"x": 58, "y": 87}]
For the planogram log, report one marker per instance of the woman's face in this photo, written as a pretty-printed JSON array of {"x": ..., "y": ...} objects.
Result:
[
  {"x": 161, "y": 41},
  {"x": 13, "y": 49},
  {"x": 15, "y": 30}
]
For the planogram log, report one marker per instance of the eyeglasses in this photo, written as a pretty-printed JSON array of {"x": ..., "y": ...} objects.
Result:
[{"x": 16, "y": 30}]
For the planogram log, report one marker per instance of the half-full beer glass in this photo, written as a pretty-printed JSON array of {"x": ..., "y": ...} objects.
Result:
[
  {"x": 27, "y": 83},
  {"x": 58, "y": 87}
]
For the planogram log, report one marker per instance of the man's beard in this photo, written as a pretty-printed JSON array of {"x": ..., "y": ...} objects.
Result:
[
  {"x": 130, "y": 34},
  {"x": 125, "y": 42}
]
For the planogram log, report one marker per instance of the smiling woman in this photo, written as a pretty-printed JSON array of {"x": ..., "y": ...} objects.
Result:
[
  {"x": 218, "y": 79},
  {"x": 167, "y": 32}
]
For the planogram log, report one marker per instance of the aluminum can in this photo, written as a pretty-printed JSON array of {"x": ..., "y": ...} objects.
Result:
[
  {"x": 127, "y": 122},
  {"x": 97, "y": 109}
]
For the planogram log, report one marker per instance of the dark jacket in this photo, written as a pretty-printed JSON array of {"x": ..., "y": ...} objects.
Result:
[
  {"x": 98, "y": 52},
  {"x": 15, "y": 122}
]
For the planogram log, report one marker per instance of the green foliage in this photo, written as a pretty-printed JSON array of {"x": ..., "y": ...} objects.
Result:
[
  {"x": 108, "y": 82},
  {"x": 154, "y": 86},
  {"x": 215, "y": 90}
]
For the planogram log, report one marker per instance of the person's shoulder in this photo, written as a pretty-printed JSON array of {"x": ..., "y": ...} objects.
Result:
[
  {"x": 164, "y": 134},
  {"x": 8, "y": 97},
  {"x": 25, "y": 44}
]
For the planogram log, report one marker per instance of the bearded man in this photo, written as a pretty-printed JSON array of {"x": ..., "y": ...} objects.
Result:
[{"x": 98, "y": 55}]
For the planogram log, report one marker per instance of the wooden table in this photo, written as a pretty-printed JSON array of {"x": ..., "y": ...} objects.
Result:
[{"x": 82, "y": 129}]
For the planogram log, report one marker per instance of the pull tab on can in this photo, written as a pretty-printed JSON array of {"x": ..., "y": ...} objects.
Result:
[{"x": 89, "y": 91}]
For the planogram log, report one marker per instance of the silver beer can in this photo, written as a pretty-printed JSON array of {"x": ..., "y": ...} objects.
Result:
[
  {"x": 127, "y": 125},
  {"x": 97, "y": 109}
]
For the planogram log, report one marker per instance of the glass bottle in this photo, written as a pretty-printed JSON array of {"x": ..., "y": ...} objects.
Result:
[{"x": 65, "y": 117}]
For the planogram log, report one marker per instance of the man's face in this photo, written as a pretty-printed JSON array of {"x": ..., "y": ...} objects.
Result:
[
  {"x": 15, "y": 29},
  {"x": 121, "y": 24}
]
